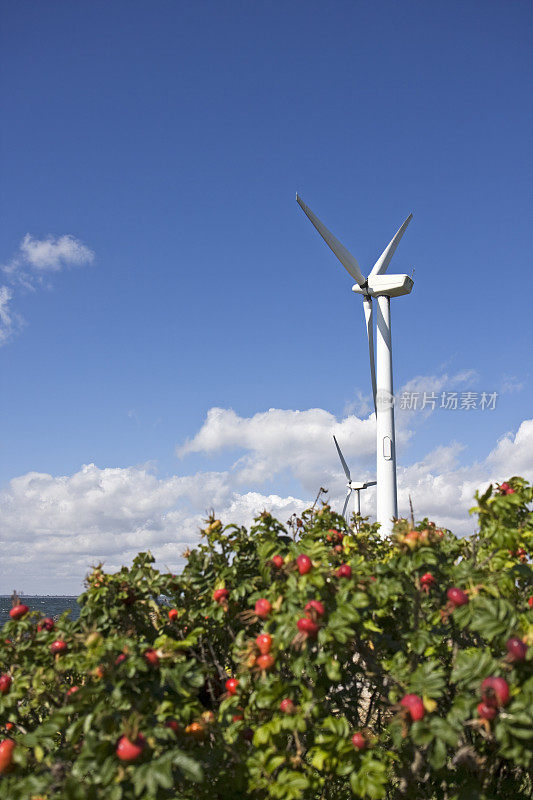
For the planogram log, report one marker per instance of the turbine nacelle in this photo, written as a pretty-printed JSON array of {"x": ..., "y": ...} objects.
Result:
[
  {"x": 389, "y": 285},
  {"x": 354, "y": 485}
]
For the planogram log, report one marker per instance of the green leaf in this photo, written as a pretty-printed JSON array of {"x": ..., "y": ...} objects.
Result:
[
  {"x": 371, "y": 779},
  {"x": 493, "y": 618},
  {"x": 438, "y": 755},
  {"x": 442, "y": 729},
  {"x": 190, "y": 768},
  {"x": 429, "y": 679},
  {"x": 471, "y": 666}
]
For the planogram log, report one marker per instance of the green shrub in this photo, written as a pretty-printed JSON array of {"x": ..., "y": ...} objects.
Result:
[{"x": 377, "y": 694}]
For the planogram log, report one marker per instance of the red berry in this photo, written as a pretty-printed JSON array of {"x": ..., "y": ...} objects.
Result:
[
  {"x": 173, "y": 725},
  {"x": 304, "y": 564},
  {"x": 196, "y": 730},
  {"x": 411, "y": 539},
  {"x": 315, "y": 605},
  {"x": 495, "y": 691},
  {"x": 220, "y": 594},
  {"x": 46, "y": 624},
  {"x": 344, "y": 571},
  {"x": 5, "y": 683},
  {"x": 237, "y": 717},
  {"x": 265, "y": 661},
  {"x": 59, "y": 646},
  {"x": 120, "y": 658},
  {"x": 413, "y": 703},
  {"x": 516, "y": 649},
  {"x": 151, "y": 657},
  {"x": 426, "y": 582},
  {"x": 287, "y": 706},
  {"x": 173, "y": 614},
  {"x": 6, "y": 755},
  {"x": 359, "y": 741},
  {"x": 17, "y": 612},
  {"x": 485, "y": 711},
  {"x": 73, "y": 690},
  {"x": 457, "y": 597},
  {"x": 231, "y": 685},
  {"x": 264, "y": 642},
  {"x": 278, "y": 562},
  {"x": 262, "y": 608},
  {"x": 307, "y": 626},
  {"x": 129, "y": 751},
  {"x": 530, "y": 601},
  {"x": 338, "y": 548}
]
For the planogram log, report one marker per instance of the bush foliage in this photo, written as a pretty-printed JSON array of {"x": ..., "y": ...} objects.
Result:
[{"x": 376, "y": 694}]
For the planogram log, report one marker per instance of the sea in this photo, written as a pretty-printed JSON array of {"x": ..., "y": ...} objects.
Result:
[{"x": 48, "y": 605}]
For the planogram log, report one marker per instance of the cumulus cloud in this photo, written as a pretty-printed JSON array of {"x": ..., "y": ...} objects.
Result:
[
  {"x": 301, "y": 442},
  {"x": 443, "y": 489},
  {"x": 279, "y": 440},
  {"x": 55, "y": 526}
]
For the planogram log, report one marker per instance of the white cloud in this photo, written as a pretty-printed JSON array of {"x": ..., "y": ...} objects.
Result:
[
  {"x": 50, "y": 254},
  {"x": 55, "y": 526},
  {"x": 33, "y": 259},
  {"x": 511, "y": 384},
  {"x": 279, "y": 440},
  {"x": 10, "y": 322},
  {"x": 301, "y": 442},
  {"x": 443, "y": 489},
  {"x": 54, "y": 253}
]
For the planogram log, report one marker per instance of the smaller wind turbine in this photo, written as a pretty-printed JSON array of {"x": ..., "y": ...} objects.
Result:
[{"x": 353, "y": 486}]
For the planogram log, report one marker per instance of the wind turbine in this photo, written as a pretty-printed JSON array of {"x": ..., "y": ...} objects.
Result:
[
  {"x": 383, "y": 287},
  {"x": 353, "y": 486}
]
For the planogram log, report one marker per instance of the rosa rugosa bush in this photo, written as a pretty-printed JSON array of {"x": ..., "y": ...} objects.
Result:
[{"x": 334, "y": 664}]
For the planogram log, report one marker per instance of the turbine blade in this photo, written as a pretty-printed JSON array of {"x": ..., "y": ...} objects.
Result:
[
  {"x": 370, "y": 483},
  {"x": 343, "y": 462},
  {"x": 384, "y": 260},
  {"x": 345, "y": 257},
  {"x": 346, "y": 504},
  {"x": 369, "y": 318}
]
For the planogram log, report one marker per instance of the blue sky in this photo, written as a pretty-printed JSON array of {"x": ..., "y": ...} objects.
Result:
[{"x": 169, "y": 138}]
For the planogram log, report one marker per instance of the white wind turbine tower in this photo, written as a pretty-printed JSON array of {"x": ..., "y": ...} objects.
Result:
[
  {"x": 353, "y": 486},
  {"x": 382, "y": 287}
]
